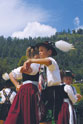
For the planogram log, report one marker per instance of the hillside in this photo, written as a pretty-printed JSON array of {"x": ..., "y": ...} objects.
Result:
[{"x": 13, "y": 50}]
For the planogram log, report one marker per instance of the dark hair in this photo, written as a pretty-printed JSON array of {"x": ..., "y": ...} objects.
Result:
[{"x": 49, "y": 46}]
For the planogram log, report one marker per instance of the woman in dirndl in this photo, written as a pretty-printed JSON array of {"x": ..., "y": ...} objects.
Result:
[{"x": 24, "y": 109}]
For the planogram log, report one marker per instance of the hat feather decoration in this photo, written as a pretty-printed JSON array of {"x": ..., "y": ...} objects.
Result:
[
  {"x": 5, "y": 76},
  {"x": 64, "y": 46}
]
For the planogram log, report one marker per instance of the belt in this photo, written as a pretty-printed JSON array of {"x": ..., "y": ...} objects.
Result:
[
  {"x": 66, "y": 100},
  {"x": 49, "y": 84},
  {"x": 32, "y": 82}
]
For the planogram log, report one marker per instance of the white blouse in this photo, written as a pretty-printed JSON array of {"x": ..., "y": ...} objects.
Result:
[
  {"x": 18, "y": 75},
  {"x": 68, "y": 89},
  {"x": 53, "y": 73}
]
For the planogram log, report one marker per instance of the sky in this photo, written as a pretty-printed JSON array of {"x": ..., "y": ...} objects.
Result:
[{"x": 34, "y": 18}]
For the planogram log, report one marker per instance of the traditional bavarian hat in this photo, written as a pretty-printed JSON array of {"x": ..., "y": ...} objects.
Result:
[{"x": 68, "y": 73}]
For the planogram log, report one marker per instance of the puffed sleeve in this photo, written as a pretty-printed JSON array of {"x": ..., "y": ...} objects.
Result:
[
  {"x": 69, "y": 91},
  {"x": 35, "y": 68},
  {"x": 16, "y": 73},
  {"x": 54, "y": 65}
]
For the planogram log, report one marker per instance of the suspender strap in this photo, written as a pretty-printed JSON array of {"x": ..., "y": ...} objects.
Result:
[{"x": 43, "y": 75}]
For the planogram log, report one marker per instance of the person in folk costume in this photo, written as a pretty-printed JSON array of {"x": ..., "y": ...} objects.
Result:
[
  {"x": 68, "y": 77},
  {"x": 7, "y": 95},
  {"x": 67, "y": 113},
  {"x": 24, "y": 109},
  {"x": 49, "y": 80}
]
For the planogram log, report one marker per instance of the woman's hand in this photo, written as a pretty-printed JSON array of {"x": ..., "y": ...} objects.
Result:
[{"x": 18, "y": 87}]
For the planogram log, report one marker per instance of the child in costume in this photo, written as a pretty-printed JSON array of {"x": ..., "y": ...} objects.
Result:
[
  {"x": 49, "y": 80},
  {"x": 67, "y": 113},
  {"x": 24, "y": 109}
]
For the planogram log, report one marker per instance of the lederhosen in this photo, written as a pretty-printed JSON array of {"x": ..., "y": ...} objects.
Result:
[
  {"x": 66, "y": 114},
  {"x": 5, "y": 106},
  {"x": 24, "y": 109}
]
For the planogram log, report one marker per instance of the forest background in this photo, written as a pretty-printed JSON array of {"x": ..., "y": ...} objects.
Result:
[{"x": 13, "y": 51}]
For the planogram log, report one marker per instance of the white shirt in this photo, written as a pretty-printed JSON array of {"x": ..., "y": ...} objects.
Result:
[
  {"x": 68, "y": 89},
  {"x": 7, "y": 90},
  {"x": 53, "y": 73},
  {"x": 18, "y": 75}
]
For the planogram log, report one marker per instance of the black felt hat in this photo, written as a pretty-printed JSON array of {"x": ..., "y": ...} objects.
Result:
[
  {"x": 68, "y": 73},
  {"x": 49, "y": 45}
]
